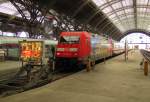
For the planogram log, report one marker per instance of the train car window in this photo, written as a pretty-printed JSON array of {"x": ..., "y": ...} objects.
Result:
[{"x": 69, "y": 39}]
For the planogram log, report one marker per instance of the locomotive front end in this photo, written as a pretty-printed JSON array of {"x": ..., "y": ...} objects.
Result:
[
  {"x": 67, "y": 51},
  {"x": 68, "y": 46}
]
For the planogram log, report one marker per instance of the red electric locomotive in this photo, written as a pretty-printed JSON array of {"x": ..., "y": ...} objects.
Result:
[{"x": 77, "y": 48}]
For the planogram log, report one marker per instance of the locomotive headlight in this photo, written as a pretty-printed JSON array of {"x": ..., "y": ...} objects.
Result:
[
  {"x": 73, "y": 49},
  {"x": 57, "y": 53},
  {"x": 60, "y": 49}
]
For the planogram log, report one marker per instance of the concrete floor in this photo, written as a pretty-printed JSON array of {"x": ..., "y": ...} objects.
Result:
[{"x": 115, "y": 81}]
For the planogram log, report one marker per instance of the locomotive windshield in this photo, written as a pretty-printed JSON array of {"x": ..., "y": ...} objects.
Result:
[{"x": 69, "y": 39}]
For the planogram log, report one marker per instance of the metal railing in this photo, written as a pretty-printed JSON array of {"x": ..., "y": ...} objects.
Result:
[{"x": 145, "y": 61}]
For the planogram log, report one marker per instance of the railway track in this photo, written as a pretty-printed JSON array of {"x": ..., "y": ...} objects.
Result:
[
  {"x": 146, "y": 54},
  {"x": 20, "y": 83}
]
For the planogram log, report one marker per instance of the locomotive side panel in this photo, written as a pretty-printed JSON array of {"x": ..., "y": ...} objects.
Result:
[{"x": 84, "y": 46}]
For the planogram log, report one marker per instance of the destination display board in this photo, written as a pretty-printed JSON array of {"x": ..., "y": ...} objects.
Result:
[{"x": 31, "y": 50}]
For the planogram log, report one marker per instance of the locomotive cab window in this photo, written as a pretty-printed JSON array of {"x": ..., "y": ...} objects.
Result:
[{"x": 69, "y": 39}]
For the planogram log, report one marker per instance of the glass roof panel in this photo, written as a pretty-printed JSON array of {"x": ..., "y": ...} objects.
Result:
[
  {"x": 119, "y": 25},
  {"x": 130, "y": 10},
  {"x": 142, "y": 2},
  {"x": 8, "y": 8},
  {"x": 141, "y": 10},
  {"x": 149, "y": 3},
  {"x": 107, "y": 10},
  {"x": 120, "y": 12},
  {"x": 129, "y": 20},
  {"x": 124, "y": 14},
  {"x": 112, "y": 16},
  {"x": 148, "y": 10},
  {"x": 99, "y": 2},
  {"x": 117, "y": 5},
  {"x": 129, "y": 2}
]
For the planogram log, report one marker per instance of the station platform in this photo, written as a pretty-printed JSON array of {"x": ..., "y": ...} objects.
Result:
[{"x": 113, "y": 81}]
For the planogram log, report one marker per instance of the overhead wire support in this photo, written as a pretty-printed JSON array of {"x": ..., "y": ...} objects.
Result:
[{"x": 135, "y": 12}]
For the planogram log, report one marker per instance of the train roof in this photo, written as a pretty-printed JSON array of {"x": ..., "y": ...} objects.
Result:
[{"x": 74, "y": 33}]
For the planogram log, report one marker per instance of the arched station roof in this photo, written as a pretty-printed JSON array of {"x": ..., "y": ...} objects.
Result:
[
  {"x": 127, "y": 14},
  {"x": 114, "y": 18}
]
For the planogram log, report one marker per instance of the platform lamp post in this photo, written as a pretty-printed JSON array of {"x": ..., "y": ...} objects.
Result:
[
  {"x": 145, "y": 68},
  {"x": 146, "y": 44},
  {"x": 126, "y": 51}
]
